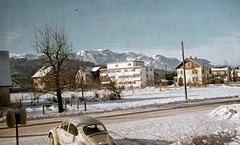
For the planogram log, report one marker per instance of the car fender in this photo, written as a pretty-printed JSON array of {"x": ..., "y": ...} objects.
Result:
[{"x": 55, "y": 135}]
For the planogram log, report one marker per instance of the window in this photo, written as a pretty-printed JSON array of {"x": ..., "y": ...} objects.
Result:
[
  {"x": 222, "y": 73},
  {"x": 136, "y": 75},
  {"x": 194, "y": 71},
  {"x": 180, "y": 72},
  {"x": 129, "y": 64},
  {"x": 73, "y": 129},
  {"x": 116, "y": 65},
  {"x": 93, "y": 129},
  {"x": 64, "y": 126}
]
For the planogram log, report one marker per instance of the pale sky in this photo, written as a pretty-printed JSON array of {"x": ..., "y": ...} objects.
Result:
[{"x": 210, "y": 29}]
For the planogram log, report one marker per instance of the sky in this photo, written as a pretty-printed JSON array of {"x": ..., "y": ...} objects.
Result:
[{"x": 209, "y": 29}]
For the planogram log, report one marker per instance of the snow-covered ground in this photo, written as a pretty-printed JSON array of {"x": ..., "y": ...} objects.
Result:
[
  {"x": 131, "y": 99},
  {"x": 218, "y": 126}
]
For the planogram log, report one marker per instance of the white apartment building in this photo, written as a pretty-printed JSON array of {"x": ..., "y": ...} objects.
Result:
[{"x": 128, "y": 73}]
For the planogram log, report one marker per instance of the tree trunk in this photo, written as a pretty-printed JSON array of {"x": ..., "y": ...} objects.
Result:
[{"x": 60, "y": 105}]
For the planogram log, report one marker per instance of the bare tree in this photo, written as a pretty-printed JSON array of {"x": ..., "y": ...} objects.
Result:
[{"x": 53, "y": 47}]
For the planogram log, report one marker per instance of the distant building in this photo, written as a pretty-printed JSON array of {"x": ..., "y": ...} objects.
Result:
[
  {"x": 42, "y": 78},
  {"x": 198, "y": 72},
  {"x": 130, "y": 74},
  {"x": 88, "y": 78},
  {"x": 221, "y": 74},
  {"x": 5, "y": 78},
  {"x": 87, "y": 75},
  {"x": 236, "y": 74}
]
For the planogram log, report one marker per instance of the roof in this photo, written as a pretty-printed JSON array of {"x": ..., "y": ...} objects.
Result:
[
  {"x": 42, "y": 72},
  {"x": 105, "y": 83},
  {"x": 125, "y": 61},
  {"x": 83, "y": 120},
  {"x": 224, "y": 68},
  {"x": 201, "y": 62},
  {"x": 95, "y": 69}
]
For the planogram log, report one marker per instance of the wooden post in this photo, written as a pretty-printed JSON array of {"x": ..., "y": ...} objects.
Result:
[
  {"x": 184, "y": 72},
  {"x": 65, "y": 104},
  {"x": 85, "y": 105},
  {"x": 78, "y": 104},
  {"x": 43, "y": 109}
]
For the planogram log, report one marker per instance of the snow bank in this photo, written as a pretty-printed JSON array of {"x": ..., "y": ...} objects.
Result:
[{"x": 228, "y": 113}]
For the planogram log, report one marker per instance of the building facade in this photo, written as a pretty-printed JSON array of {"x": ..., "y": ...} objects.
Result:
[
  {"x": 42, "y": 78},
  {"x": 198, "y": 72},
  {"x": 236, "y": 74},
  {"x": 130, "y": 74},
  {"x": 5, "y": 78},
  {"x": 222, "y": 74}
]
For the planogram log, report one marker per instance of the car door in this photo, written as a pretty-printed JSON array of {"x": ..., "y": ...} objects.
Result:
[
  {"x": 64, "y": 136},
  {"x": 72, "y": 133}
]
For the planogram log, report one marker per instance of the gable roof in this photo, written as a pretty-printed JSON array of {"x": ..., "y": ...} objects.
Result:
[
  {"x": 201, "y": 62},
  {"x": 42, "y": 72}
]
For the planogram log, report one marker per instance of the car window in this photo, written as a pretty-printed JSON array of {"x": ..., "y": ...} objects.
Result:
[
  {"x": 73, "y": 130},
  {"x": 95, "y": 128},
  {"x": 64, "y": 126}
]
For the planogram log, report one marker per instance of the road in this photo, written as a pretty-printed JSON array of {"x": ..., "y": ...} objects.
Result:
[{"x": 38, "y": 128}]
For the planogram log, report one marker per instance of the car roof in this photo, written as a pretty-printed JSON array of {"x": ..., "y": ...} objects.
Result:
[{"x": 83, "y": 120}]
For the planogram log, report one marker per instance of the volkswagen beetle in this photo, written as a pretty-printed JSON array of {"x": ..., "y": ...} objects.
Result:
[{"x": 81, "y": 130}]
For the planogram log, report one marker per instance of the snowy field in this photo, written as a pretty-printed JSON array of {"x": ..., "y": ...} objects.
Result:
[
  {"x": 148, "y": 97},
  {"x": 219, "y": 126}
]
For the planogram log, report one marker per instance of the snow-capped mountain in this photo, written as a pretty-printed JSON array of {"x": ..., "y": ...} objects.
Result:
[
  {"x": 104, "y": 56},
  {"x": 23, "y": 55}
]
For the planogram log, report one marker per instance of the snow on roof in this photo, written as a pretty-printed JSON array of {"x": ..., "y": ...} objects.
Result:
[
  {"x": 42, "y": 72},
  {"x": 105, "y": 83},
  {"x": 219, "y": 69},
  {"x": 95, "y": 69},
  {"x": 202, "y": 62}
]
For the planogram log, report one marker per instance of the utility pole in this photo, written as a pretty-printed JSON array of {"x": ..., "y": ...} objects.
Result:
[
  {"x": 166, "y": 72},
  {"x": 184, "y": 72}
]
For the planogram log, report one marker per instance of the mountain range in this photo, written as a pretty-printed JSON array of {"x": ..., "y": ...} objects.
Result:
[{"x": 104, "y": 56}]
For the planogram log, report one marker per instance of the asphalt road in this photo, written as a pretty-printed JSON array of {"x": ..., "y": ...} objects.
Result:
[{"x": 38, "y": 128}]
